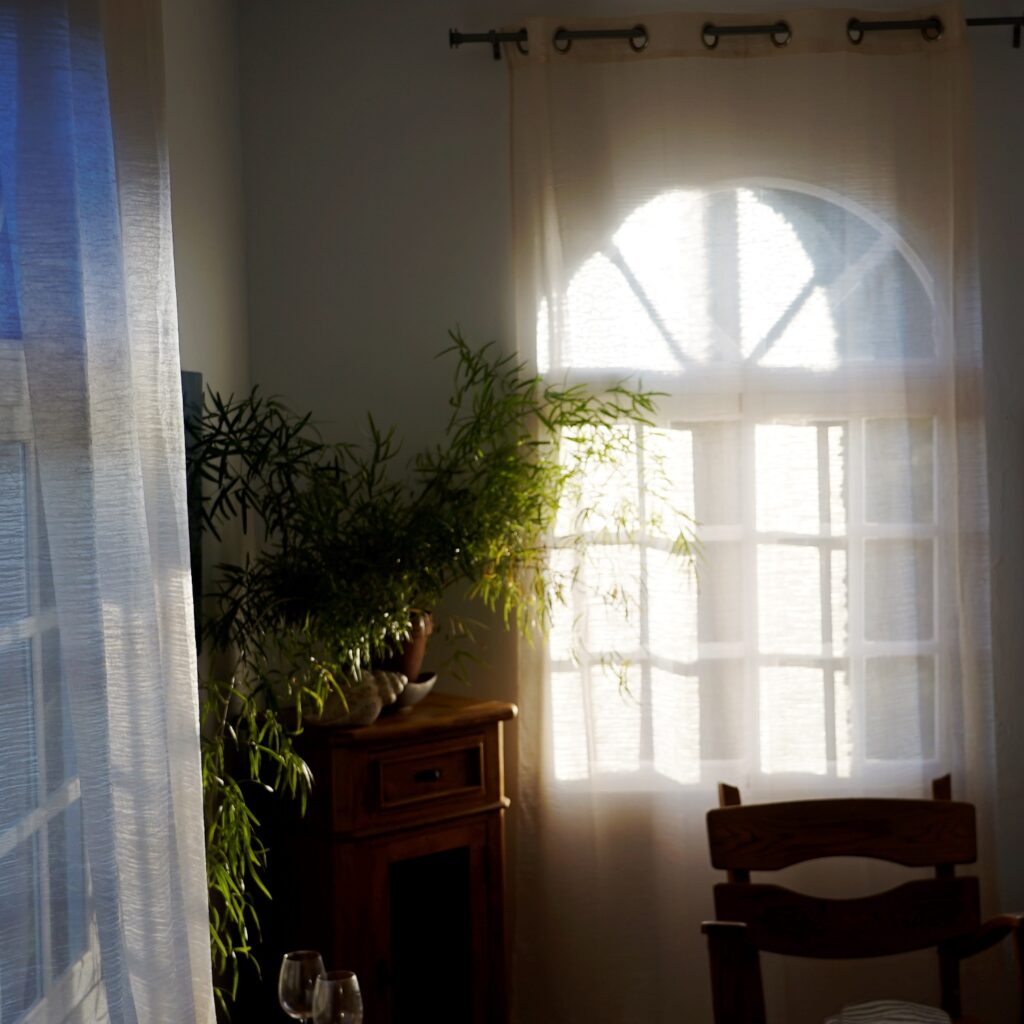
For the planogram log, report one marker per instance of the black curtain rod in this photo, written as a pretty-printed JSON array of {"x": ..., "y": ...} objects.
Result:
[{"x": 779, "y": 31}]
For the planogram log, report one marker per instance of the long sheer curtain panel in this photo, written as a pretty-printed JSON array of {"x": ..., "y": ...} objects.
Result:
[
  {"x": 102, "y": 876},
  {"x": 780, "y": 239}
]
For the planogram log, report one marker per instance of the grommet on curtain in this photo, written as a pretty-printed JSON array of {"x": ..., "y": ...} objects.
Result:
[
  {"x": 779, "y": 32},
  {"x": 639, "y": 39},
  {"x": 931, "y": 28},
  {"x": 561, "y": 40},
  {"x": 523, "y": 42}
]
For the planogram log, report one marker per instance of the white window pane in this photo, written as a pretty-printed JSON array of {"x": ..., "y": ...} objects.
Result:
[
  {"x": 14, "y": 597},
  {"x": 21, "y": 981},
  {"x": 675, "y": 707},
  {"x": 898, "y": 471},
  {"x": 898, "y": 590},
  {"x": 672, "y": 601},
  {"x": 569, "y": 726},
  {"x": 899, "y": 698},
  {"x": 886, "y": 313},
  {"x": 723, "y": 704},
  {"x": 612, "y": 581},
  {"x": 668, "y": 480},
  {"x": 606, "y": 497},
  {"x": 793, "y": 493},
  {"x": 789, "y": 599},
  {"x": 564, "y": 611},
  {"x": 616, "y": 716},
  {"x": 18, "y": 782},
  {"x": 787, "y": 478},
  {"x": 607, "y": 327},
  {"x": 792, "y": 715},
  {"x": 66, "y": 855},
  {"x": 664, "y": 247},
  {"x": 773, "y": 270}
]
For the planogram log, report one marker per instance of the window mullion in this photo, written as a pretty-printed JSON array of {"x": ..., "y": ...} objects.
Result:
[
  {"x": 39, "y": 722},
  {"x": 855, "y": 586},
  {"x": 646, "y": 684},
  {"x": 751, "y": 644},
  {"x": 825, "y": 576}
]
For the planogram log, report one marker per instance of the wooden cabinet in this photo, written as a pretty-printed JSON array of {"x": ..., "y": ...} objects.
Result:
[{"x": 397, "y": 869}]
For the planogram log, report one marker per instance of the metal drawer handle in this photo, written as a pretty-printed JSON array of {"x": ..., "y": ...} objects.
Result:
[{"x": 428, "y": 775}]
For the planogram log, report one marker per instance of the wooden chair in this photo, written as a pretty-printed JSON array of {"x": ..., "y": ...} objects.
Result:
[{"x": 941, "y": 912}]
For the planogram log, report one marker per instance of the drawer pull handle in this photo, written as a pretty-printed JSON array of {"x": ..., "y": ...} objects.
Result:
[{"x": 428, "y": 775}]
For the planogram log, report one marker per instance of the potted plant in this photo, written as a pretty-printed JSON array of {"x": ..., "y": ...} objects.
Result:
[{"x": 354, "y": 545}]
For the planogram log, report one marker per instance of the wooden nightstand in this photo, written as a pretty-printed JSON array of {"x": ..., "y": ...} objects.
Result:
[{"x": 397, "y": 870}]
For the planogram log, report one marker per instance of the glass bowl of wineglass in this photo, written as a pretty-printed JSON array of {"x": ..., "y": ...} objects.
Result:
[
  {"x": 295, "y": 982},
  {"x": 336, "y": 999}
]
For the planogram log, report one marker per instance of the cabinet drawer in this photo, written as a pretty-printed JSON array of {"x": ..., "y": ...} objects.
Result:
[{"x": 435, "y": 771}]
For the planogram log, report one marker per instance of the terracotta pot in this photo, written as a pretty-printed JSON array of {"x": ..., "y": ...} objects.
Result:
[{"x": 410, "y": 660}]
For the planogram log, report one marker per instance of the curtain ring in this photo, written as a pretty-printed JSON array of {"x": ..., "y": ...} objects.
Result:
[
  {"x": 781, "y": 28},
  {"x": 561, "y": 36},
  {"x": 639, "y": 39},
  {"x": 854, "y": 32},
  {"x": 709, "y": 35},
  {"x": 523, "y": 42},
  {"x": 933, "y": 30}
]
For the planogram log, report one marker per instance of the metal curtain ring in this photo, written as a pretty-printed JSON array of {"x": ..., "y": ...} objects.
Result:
[
  {"x": 561, "y": 36},
  {"x": 639, "y": 39},
  {"x": 782, "y": 29},
  {"x": 854, "y": 32},
  {"x": 523, "y": 42},
  {"x": 709, "y": 36},
  {"x": 933, "y": 30}
]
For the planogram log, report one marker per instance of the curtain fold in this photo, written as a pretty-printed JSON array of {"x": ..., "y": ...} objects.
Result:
[
  {"x": 780, "y": 239},
  {"x": 106, "y": 872}
]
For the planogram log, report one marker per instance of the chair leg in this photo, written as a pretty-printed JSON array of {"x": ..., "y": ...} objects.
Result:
[
  {"x": 736, "y": 990},
  {"x": 949, "y": 983}
]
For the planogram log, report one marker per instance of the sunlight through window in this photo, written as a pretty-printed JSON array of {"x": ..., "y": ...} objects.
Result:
[{"x": 814, "y": 607}]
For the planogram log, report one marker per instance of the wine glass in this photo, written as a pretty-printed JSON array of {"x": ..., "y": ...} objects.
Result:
[
  {"x": 336, "y": 999},
  {"x": 299, "y": 971}
]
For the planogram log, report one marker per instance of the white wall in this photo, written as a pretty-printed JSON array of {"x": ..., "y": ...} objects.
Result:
[{"x": 204, "y": 142}]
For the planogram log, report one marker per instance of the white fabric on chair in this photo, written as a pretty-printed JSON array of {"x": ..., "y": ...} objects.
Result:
[{"x": 889, "y": 1011}]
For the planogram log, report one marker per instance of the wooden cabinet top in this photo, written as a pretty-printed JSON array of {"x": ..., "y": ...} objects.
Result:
[{"x": 436, "y": 713}]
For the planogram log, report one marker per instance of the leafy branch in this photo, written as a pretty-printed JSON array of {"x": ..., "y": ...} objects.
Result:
[{"x": 352, "y": 541}]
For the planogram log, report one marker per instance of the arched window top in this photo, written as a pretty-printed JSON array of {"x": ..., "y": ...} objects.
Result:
[{"x": 764, "y": 277}]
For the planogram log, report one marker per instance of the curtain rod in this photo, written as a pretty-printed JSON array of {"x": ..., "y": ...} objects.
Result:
[{"x": 779, "y": 31}]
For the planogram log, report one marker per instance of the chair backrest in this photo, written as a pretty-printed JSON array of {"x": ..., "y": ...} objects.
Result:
[{"x": 935, "y": 833}]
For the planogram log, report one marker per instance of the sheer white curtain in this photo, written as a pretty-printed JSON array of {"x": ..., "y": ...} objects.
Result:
[
  {"x": 779, "y": 238},
  {"x": 102, "y": 877}
]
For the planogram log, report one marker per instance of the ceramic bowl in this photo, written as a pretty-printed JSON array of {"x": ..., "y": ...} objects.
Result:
[{"x": 414, "y": 692}]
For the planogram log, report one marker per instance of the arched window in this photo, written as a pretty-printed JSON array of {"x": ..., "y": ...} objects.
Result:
[{"x": 796, "y": 340}]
